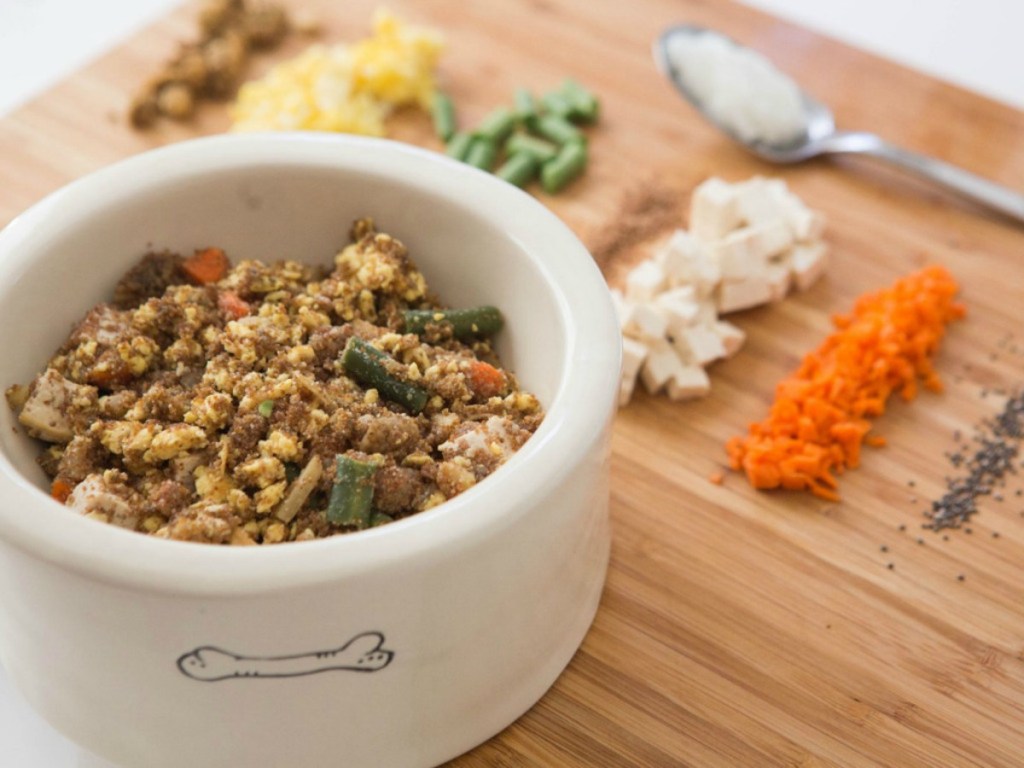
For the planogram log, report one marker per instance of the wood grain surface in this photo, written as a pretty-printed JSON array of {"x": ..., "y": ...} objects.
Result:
[{"x": 737, "y": 628}]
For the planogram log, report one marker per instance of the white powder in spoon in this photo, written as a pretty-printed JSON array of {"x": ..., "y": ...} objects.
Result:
[{"x": 738, "y": 87}]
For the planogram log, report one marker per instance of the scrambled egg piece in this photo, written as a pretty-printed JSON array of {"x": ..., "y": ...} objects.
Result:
[
  {"x": 346, "y": 89},
  {"x": 397, "y": 64}
]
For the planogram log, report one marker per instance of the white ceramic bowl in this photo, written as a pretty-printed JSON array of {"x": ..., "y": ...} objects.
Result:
[{"x": 447, "y": 625}]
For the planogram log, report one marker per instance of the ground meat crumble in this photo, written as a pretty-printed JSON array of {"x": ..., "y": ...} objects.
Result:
[{"x": 216, "y": 410}]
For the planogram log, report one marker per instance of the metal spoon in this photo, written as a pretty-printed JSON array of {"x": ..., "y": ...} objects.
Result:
[{"x": 820, "y": 137}]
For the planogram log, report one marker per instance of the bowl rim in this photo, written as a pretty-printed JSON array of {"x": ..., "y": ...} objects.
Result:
[{"x": 576, "y": 418}]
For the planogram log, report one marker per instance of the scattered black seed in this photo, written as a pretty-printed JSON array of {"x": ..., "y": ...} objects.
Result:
[
  {"x": 997, "y": 496},
  {"x": 883, "y": 548},
  {"x": 891, "y": 566},
  {"x": 945, "y": 537},
  {"x": 968, "y": 530},
  {"x": 903, "y": 526},
  {"x": 911, "y": 483},
  {"x": 995, "y": 534},
  {"x": 920, "y": 541},
  {"x": 961, "y": 577},
  {"x": 994, "y": 456}
]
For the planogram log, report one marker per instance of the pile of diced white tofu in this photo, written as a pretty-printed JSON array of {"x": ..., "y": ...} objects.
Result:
[{"x": 749, "y": 243}]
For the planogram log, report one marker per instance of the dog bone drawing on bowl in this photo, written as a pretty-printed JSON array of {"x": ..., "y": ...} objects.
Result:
[{"x": 363, "y": 653}]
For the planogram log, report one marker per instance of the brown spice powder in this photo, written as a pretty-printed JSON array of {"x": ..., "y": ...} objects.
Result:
[{"x": 647, "y": 210}]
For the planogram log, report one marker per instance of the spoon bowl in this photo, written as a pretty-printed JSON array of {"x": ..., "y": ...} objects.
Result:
[
  {"x": 818, "y": 134},
  {"x": 820, "y": 127}
]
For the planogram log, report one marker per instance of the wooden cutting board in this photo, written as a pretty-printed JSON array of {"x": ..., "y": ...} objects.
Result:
[{"x": 738, "y": 628}]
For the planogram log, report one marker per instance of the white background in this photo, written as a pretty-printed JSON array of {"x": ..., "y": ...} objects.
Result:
[{"x": 975, "y": 44}]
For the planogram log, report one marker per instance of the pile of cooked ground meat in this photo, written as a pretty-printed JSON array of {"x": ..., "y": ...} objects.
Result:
[{"x": 262, "y": 403}]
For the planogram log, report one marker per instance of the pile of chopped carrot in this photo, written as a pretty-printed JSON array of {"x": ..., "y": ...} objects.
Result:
[{"x": 819, "y": 419}]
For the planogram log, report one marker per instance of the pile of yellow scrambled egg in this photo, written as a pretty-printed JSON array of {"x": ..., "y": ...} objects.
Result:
[{"x": 345, "y": 88}]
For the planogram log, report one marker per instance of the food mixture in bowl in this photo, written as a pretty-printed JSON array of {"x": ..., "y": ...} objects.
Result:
[{"x": 256, "y": 403}]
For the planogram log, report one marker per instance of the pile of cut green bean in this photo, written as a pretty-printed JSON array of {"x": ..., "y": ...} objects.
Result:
[{"x": 532, "y": 138}]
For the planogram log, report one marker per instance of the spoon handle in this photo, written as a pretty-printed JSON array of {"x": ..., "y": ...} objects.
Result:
[{"x": 969, "y": 185}]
